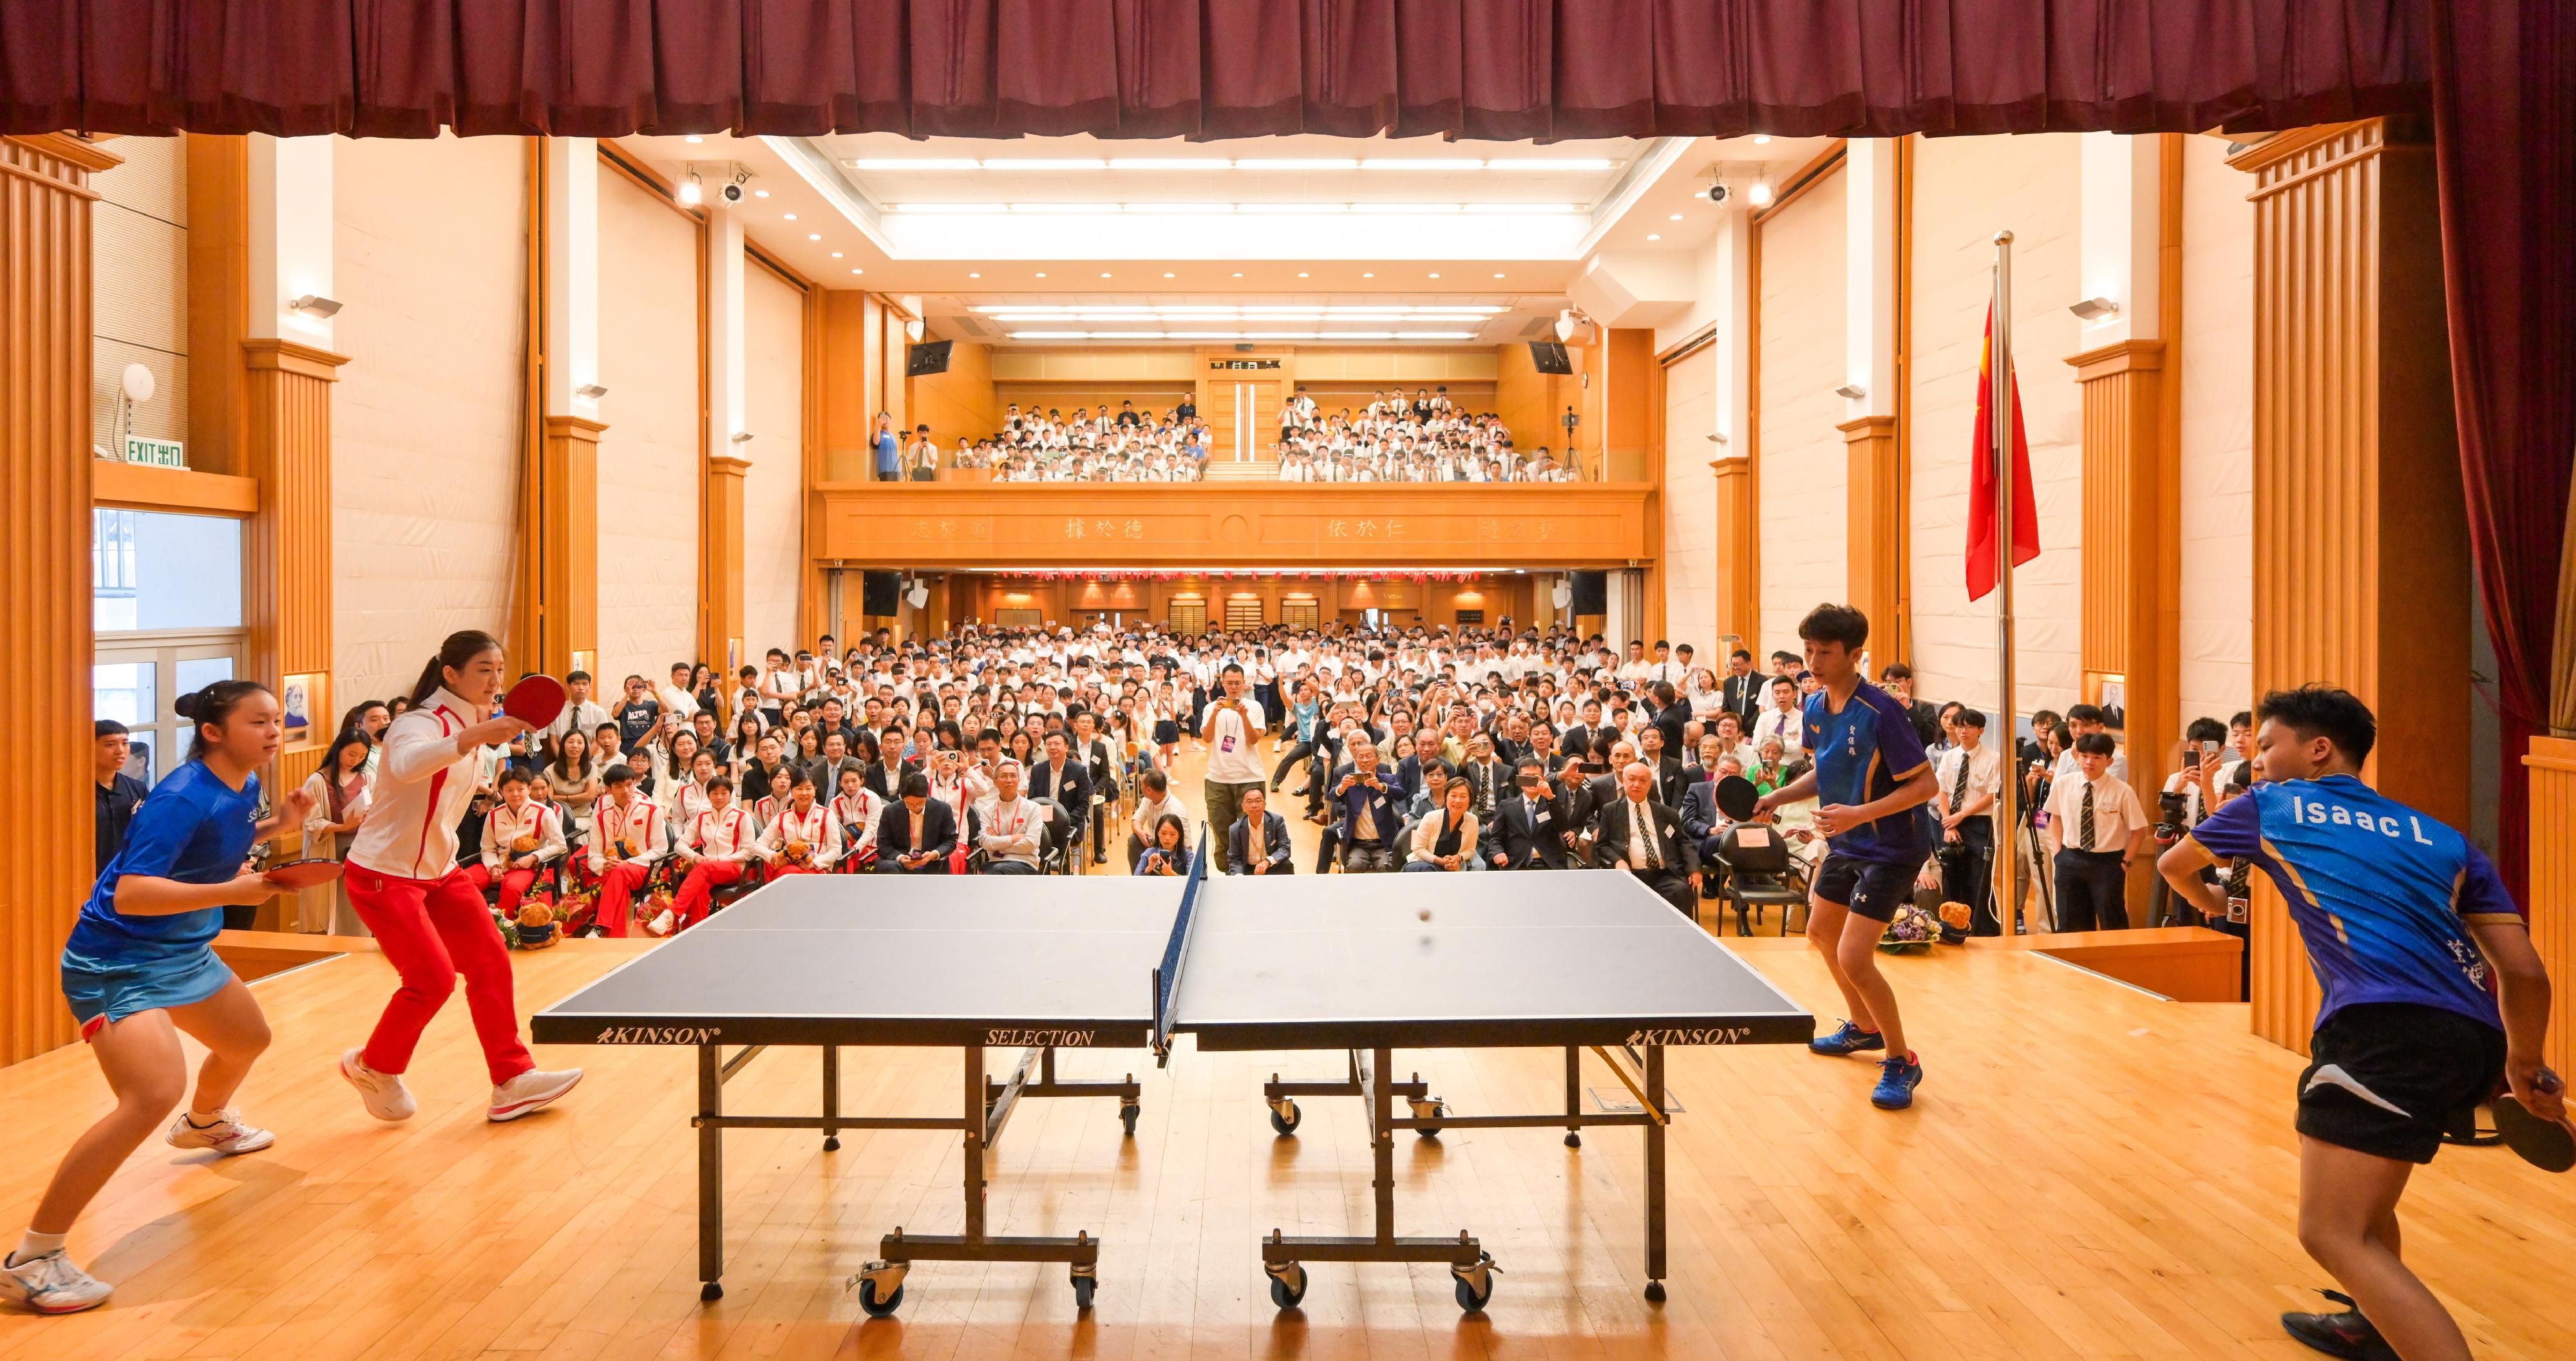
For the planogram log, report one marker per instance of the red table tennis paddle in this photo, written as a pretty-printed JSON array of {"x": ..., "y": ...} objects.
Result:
[
  {"x": 535, "y": 700},
  {"x": 296, "y": 874}
]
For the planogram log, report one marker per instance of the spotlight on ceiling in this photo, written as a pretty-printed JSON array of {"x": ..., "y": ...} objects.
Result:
[{"x": 1760, "y": 194}]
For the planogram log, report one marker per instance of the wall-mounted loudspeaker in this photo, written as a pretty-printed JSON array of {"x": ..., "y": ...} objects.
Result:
[
  {"x": 1591, "y": 592},
  {"x": 926, "y": 358},
  {"x": 1549, "y": 356},
  {"x": 882, "y": 594}
]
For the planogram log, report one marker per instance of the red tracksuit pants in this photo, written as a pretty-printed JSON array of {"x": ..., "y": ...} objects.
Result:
[
  {"x": 705, "y": 877},
  {"x": 514, "y": 884},
  {"x": 432, "y": 931}
]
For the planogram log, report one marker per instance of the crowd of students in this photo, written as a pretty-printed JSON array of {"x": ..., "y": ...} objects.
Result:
[{"x": 1425, "y": 438}]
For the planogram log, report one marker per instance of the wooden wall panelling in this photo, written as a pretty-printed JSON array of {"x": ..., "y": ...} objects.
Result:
[
  {"x": 721, "y": 553},
  {"x": 1875, "y": 548},
  {"x": 1739, "y": 559},
  {"x": 2132, "y": 558},
  {"x": 2553, "y": 885},
  {"x": 45, "y": 281},
  {"x": 2361, "y": 565},
  {"x": 286, "y": 546},
  {"x": 218, "y": 298},
  {"x": 1041, "y": 525}
]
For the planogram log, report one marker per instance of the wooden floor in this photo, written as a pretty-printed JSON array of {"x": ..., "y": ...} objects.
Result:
[{"x": 2089, "y": 1172}]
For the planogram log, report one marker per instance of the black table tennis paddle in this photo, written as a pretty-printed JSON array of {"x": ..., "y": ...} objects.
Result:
[
  {"x": 2545, "y": 1144},
  {"x": 1737, "y": 798}
]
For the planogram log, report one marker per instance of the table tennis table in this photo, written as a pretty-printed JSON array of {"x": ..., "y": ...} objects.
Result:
[{"x": 1569, "y": 959}]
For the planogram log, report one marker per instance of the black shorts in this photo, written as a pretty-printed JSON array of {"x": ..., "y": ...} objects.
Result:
[
  {"x": 1870, "y": 888},
  {"x": 2387, "y": 1078}
]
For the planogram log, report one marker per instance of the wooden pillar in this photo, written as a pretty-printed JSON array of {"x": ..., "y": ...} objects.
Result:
[
  {"x": 2361, "y": 555},
  {"x": 2132, "y": 561},
  {"x": 559, "y": 558},
  {"x": 1874, "y": 545},
  {"x": 286, "y": 545},
  {"x": 720, "y": 554},
  {"x": 2552, "y": 892},
  {"x": 45, "y": 471},
  {"x": 1739, "y": 558}
]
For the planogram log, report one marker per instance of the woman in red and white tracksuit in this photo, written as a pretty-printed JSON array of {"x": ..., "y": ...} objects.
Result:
[
  {"x": 801, "y": 838},
  {"x": 427, "y": 916},
  {"x": 855, "y": 811},
  {"x": 719, "y": 845},
  {"x": 516, "y": 819}
]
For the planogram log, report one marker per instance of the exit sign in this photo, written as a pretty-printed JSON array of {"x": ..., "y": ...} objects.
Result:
[
  {"x": 1243, "y": 363},
  {"x": 160, "y": 453}
]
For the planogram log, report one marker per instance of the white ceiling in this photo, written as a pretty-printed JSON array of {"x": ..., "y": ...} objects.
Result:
[{"x": 1380, "y": 229}]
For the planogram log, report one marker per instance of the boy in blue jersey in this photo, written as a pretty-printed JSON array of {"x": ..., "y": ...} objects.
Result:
[
  {"x": 2405, "y": 923},
  {"x": 1870, "y": 778}
]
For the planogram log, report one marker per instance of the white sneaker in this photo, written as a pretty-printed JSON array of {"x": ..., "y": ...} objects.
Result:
[
  {"x": 228, "y": 1135},
  {"x": 661, "y": 925},
  {"x": 52, "y": 1285},
  {"x": 529, "y": 1092},
  {"x": 386, "y": 1096}
]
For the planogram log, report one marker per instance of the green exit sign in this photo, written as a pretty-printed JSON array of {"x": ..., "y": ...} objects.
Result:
[{"x": 160, "y": 453}]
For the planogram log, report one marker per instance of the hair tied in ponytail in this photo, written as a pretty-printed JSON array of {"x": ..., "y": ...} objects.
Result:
[
  {"x": 455, "y": 654},
  {"x": 210, "y": 707}
]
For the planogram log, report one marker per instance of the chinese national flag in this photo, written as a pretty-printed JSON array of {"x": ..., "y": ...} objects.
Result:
[{"x": 1981, "y": 484}]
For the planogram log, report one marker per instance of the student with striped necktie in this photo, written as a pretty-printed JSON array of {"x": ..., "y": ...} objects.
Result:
[{"x": 2093, "y": 826}]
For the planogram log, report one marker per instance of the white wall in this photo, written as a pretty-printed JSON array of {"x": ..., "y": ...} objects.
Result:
[
  {"x": 1804, "y": 473},
  {"x": 2217, "y": 471},
  {"x": 773, "y": 504},
  {"x": 1690, "y": 503},
  {"x": 1965, "y": 190},
  {"x": 431, "y": 268},
  {"x": 648, "y": 459}
]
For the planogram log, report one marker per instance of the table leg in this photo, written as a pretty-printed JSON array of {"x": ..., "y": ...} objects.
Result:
[
  {"x": 1382, "y": 1140},
  {"x": 974, "y": 1143},
  {"x": 831, "y": 1098},
  {"x": 1573, "y": 1096},
  {"x": 1654, "y": 1173},
  {"x": 710, "y": 1173}
]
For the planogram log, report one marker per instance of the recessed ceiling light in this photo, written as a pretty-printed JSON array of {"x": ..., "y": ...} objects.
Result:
[
  {"x": 1498, "y": 275},
  {"x": 1238, "y": 274},
  {"x": 1104, "y": 274},
  {"x": 1167, "y": 274},
  {"x": 817, "y": 236},
  {"x": 1042, "y": 274},
  {"x": 1368, "y": 275},
  {"x": 858, "y": 271},
  {"x": 791, "y": 217},
  {"x": 1653, "y": 237},
  {"x": 695, "y": 139},
  {"x": 1301, "y": 274},
  {"x": 836, "y": 255},
  {"x": 1674, "y": 218},
  {"x": 1762, "y": 139},
  {"x": 760, "y": 193},
  {"x": 973, "y": 275},
  {"x": 1435, "y": 275}
]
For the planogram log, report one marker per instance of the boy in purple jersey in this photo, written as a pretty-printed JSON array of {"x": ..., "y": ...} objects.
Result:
[
  {"x": 1872, "y": 779},
  {"x": 2404, "y": 922}
]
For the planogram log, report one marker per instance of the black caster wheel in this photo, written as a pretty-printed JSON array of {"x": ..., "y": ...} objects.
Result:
[
  {"x": 879, "y": 1308},
  {"x": 1280, "y": 1293},
  {"x": 832, "y": 1143},
  {"x": 1430, "y": 1108},
  {"x": 1127, "y": 1117},
  {"x": 1286, "y": 1124},
  {"x": 1082, "y": 1288},
  {"x": 1469, "y": 1298},
  {"x": 711, "y": 1292},
  {"x": 1654, "y": 1292},
  {"x": 1573, "y": 1140}
]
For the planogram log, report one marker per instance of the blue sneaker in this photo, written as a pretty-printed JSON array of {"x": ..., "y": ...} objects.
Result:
[
  {"x": 1851, "y": 1039},
  {"x": 1897, "y": 1079}
]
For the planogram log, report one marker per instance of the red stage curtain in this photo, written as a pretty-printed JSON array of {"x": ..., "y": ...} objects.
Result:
[
  {"x": 2504, "y": 111},
  {"x": 1506, "y": 69}
]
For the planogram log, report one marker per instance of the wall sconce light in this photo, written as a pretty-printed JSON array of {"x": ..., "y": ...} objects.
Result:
[
  {"x": 1715, "y": 438},
  {"x": 2094, "y": 309},
  {"x": 1851, "y": 392},
  {"x": 590, "y": 392},
  {"x": 742, "y": 437},
  {"x": 316, "y": 306}
]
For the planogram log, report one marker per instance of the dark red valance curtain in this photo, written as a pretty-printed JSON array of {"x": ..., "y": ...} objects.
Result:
[
  {"x": 1501, "y": 69},
  {"x": 2504, "y": 122}
]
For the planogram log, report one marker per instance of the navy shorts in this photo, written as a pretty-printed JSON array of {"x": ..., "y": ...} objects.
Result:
[
  {"x": 1870, "y": 888},
  {"x": 2387, "y": 1078}
]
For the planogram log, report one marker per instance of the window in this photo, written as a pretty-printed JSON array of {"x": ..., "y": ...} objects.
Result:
[
  {"x": 1187, "y": 614},
  {"x": 166, "y": 602},
  {"x": 1299, "y": 612},
  {"x": 1242, "y": 612}
]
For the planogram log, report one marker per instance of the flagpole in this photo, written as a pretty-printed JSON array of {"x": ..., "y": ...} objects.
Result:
[{"x": 1999, "y": 402}]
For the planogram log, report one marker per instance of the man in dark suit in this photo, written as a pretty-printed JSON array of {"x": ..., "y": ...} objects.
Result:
[
  {"x": 1671, "y": 713},
  {"x": 1645, "y": 838},
  {"x": 1484, "y": 775},
  {"x": 1523, "y": 833},
  {"x": 1368, "y": 823},
  {"x": 1899, "y": 680},
  {"x": 826, "y": 768},
  {"x": 916, "y": 832},
  {"x": 1061, "y": 778},
  {"x": 1741, "y": 692},
  {"x": 1575, "y": 805},
  {"x": 1100, "y": 766},
  {"x": 1665, "y": 760},
  {"x": 1262, "y": 851}
]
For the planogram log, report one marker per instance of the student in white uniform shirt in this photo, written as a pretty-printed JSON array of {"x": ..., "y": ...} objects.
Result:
[
  {"x": 1782, "y": 719},
  {"x": 677, "y": 699},
  {"x": 428, "y": 918},
  {"x": 801, "y": 838},
  {"x": 580, "y": 714},
  {"x": 718, "y": 845},
  {"x": 627, "y": 839},
  {"x": 2094, "y": 825},
  {"x": 1968, "y": 778},
  {"x": 521, "y": 838}
]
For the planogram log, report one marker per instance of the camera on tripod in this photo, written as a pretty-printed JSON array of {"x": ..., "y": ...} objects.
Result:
[{"x": 2171, "y": 815}]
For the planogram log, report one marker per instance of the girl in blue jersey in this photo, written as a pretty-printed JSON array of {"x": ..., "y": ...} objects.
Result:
[
  {"x": 2406, "y": 924},
  {"x": 140, "y": 968}
]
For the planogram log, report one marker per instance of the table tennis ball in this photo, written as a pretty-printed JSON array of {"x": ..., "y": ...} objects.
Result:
[{"x": 1424, "y": 914}]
